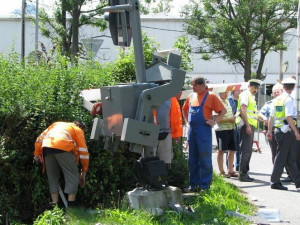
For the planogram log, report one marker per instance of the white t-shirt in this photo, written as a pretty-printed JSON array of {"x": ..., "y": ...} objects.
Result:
[{"x": 244, "y": 97}]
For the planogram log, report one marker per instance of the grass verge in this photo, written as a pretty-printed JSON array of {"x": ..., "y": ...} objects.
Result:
[{"x": 210, "y": 208}]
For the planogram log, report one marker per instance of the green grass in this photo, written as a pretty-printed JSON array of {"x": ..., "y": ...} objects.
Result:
[{"x": 210, "y": 208}]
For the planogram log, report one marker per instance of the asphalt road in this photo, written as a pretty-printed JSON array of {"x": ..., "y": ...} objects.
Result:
[{"x": 260, "y": 193}]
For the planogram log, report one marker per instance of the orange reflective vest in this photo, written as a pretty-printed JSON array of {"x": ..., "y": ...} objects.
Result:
[
  {"x": 67, "y": 137},
  {"x": 175, "y": 119}
]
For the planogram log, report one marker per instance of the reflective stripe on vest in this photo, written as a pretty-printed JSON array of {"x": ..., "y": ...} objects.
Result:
[
  {"x": 251, "y": 111},
  {"x": 280, "y": 111}
]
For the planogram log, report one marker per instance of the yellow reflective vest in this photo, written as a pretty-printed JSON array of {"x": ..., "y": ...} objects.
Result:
[
  {"x": 279, "y": 106},
  {"x": 251, "y": 110}
]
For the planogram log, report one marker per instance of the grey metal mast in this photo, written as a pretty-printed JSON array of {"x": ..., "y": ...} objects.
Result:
[
  {"x": 298, "y": 67},
  {"x": 137, "y": 42}
]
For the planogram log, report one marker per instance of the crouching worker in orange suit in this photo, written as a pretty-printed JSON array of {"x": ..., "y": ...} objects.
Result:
[{"x": 59, "y": 148}]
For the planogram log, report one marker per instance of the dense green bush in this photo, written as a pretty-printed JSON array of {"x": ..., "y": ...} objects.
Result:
[
  {"x": 34, "y": 96},
  {"x": 179, "y": 173},
  {"x": 31, "y": 98},
  {"x": 51, "y": 217},
  {"x": 123, "y": 69}
]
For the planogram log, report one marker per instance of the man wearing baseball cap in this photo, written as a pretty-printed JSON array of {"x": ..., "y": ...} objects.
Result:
[
  {"x": 265, "y": 111},
  {"x": 247, "y": 120},
  {"x": 286, "y": 134}
]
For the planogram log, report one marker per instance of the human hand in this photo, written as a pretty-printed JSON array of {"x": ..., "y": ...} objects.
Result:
[
  {"x": 297, "y": 136},
  {"x": 37, "y": 159},
  {"x": 262, "y": 118},
  {"x": 211, "y": 122},
  {"x": 233, "y": 119},
  {"x": 248, "y": 130},
  {"x": 269, "y": 135}
]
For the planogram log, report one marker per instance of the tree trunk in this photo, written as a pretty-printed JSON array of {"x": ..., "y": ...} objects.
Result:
[
  {"x": 263, "y": 51},
  {"x": 75, "y": 32},
  {"x": 65, "y": 42},
  {"x": 247, "y": 72},
  {"x": 259, "y": 74}
]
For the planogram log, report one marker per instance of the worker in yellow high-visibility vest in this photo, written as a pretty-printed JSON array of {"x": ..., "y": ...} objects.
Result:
[
  {"x": 286, "y": 134},
  {"x": 247, "y": 120}
]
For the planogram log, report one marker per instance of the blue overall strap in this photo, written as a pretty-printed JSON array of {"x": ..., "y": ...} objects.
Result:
[{"x": 203, "y": 101}]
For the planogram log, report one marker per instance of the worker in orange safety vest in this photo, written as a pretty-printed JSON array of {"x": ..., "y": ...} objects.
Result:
[
  {"x": 60, "y": 147},
  {"x": 168, "y": 116}
]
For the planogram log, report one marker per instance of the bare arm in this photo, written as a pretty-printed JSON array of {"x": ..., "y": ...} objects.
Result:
[
  {"x": 262, "y": 118},
  {"x": 270, "y": 124},
  {"x": 185, "y": 115},
  {"x": 245, "y": 119},
  {"x": 244, "y": 115},
  {"x": 220, "y": 115},
  {"x": 217, "y": 118},
  {"x": 227, "y": 120},
  {"x": 270, "y": 128}
]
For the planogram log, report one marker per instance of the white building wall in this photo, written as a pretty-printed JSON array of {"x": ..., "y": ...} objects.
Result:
[{"x": 164, "y": 30}]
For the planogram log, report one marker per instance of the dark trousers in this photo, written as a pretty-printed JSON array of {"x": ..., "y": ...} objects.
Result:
[
  {"x": 273, "y": 146},
  {"x": 246, "y": 143},
  {"x": 286, "y": 155},
  {"x": 237, "y": 145},
  {"x": 298, "y": 153}
]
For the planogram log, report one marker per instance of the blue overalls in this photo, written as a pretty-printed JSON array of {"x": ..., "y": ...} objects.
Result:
[{"x": 200, "y": 147}]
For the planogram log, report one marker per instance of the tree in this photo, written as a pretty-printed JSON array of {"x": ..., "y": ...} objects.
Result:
[
  {"x": 241, "y": 32},
  {"x": 30, "y": 10},
  {"x": 155, "y": 6},
  {"x": 64, "y": 32},
  {"x": 182, "y": 44},
  {"x": 123, "y": 69}
]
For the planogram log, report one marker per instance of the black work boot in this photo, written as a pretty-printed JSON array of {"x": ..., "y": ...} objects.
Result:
[
  {"x": 288, "y": 179},
  {"x": 244, "y": 177},
  {"x": 279, "y": 186}
]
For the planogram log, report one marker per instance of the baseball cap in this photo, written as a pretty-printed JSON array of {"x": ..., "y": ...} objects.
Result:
[
  {"x": 255, "y": 82},
  {"x": 277, "y": 86},
  {"x": 289, "y": 80}
]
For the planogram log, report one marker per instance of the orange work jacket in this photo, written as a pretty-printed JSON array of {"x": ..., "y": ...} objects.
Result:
[
  {"x": 67, "y": 137},
  {"x": 175, "y": 119}
]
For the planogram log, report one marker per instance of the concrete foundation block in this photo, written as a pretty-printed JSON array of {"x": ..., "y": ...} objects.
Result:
[{"x": 144, "y": 199}]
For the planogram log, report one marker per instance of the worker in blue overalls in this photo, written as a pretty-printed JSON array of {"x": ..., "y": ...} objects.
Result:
[{"x": 197, "y": 112}]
